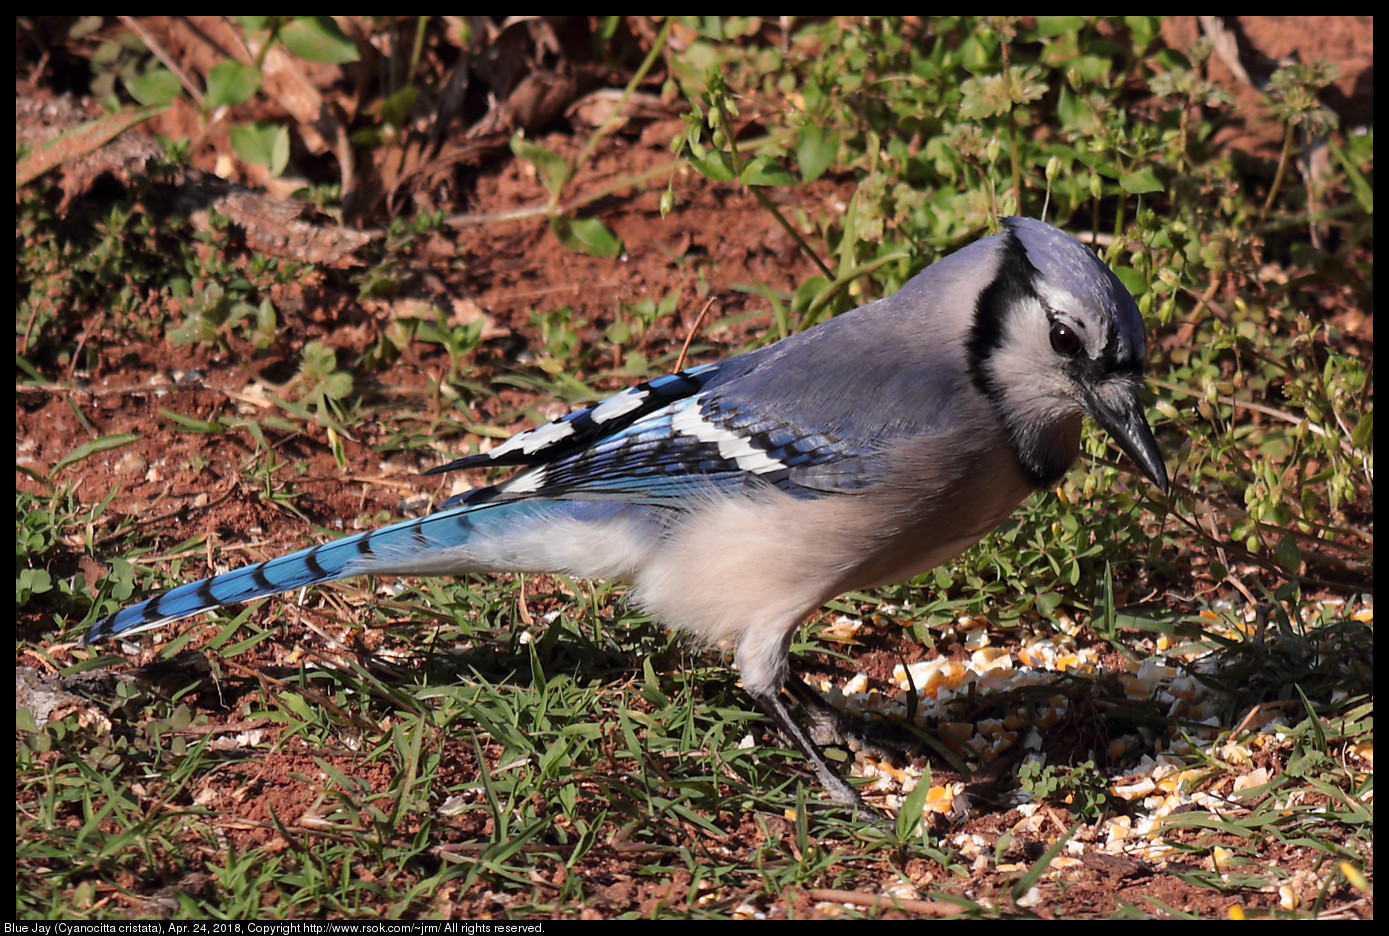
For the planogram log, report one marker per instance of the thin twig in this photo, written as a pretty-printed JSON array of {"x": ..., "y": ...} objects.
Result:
[{"x": 694, "y": 330}]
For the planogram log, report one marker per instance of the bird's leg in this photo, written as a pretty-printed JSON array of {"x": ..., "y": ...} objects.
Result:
[
  {"x": 880, "y": 739},
  {"x": 834, "y": 785},
  {"x": 826, "y": 723}
]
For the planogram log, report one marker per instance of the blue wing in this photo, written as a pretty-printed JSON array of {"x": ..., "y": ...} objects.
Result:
[{"x": 659, "y": 441}]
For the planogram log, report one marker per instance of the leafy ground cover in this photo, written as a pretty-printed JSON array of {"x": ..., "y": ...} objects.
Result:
[{"x": 269, "y": 270}]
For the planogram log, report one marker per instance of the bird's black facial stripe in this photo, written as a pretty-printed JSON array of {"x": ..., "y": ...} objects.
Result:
[
  {"x": 1110, "y": 360},
  {"x": 1016, "y": 281}
]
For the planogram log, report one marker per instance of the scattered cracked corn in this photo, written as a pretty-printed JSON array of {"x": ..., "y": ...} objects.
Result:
[
  {"x": 906, "y": 778},
  {"x": 998, "y": 679},
  {"x": 1234, "y": 751},
  {"x": 1183, "y": 687},
  {"x": 1032, "y": 823},
  {"x": 1252, "y": 779},
  {"x": 1353, "y": 875},
  {"x": 941, "y": 799},
  {"x": 998, "y": 745},
  {"x": 1032, "y": 898},
  {"x": 1050, "y": 654},
  {"x": 1184, "y": 779},
  {"x": 971, "y": 846},
  {"x": 1067, "y": 625},
  {"x": 989, "y": 727},
  {"x": 1162, "y": 781},
  {"x": 989, "y": 658},
  {"x": 1155, "y": 850},
  {"x": 843, "y": 628},
  {"x": 1151, "y": 674},
  {"x": 902, "y": 890},
  {"x": 1125, "y": 837},
  {"x": 1117, "y": 831},
  {"x": 746, "y": 911},
  {"x": 929, "y": 676}
]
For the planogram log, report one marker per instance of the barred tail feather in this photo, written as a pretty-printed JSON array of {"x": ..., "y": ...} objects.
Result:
[{"x": 520, "y": 536}]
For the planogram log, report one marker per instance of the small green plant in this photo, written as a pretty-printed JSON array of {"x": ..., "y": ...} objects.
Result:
[
  {"x": 321, "y": 392},
  {"x": 564, "y": 350},
  {"x": 396, "y": 258},
  {"x": 630, "y": 327},
  {"x": 1082, "y": 789},
  {"x": 458, "y": 341},
  {"x": 319, "y": 383},
  {"x": 209, "y": 318}
]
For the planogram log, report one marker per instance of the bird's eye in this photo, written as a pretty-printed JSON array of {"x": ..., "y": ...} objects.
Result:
[{"x": 1064, "y": 341}]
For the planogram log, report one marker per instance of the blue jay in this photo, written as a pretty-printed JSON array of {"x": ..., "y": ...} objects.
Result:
[{"x": 738, "y": 497}]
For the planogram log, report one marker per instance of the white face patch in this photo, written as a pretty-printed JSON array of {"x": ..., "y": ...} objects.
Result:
[
  {"x": 533, "y": 440},
  {"x": 618, "y": 405},
  {"x": 732, "y": 446}
]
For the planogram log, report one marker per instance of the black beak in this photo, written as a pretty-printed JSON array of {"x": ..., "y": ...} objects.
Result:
[{"x": 1117, "y": 405}]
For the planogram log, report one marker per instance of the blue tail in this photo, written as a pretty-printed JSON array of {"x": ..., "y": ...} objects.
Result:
[{"x": 454, "y": 541}]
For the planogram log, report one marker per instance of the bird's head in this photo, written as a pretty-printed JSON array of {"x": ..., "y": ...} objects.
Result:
[{"x": 1056, "y": 335}]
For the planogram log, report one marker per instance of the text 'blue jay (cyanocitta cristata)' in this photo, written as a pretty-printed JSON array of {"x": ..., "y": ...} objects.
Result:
[{"x": 738, "y": 497}]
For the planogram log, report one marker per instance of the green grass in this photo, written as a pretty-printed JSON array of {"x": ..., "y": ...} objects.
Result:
[{"x": 540, "y": 741}]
